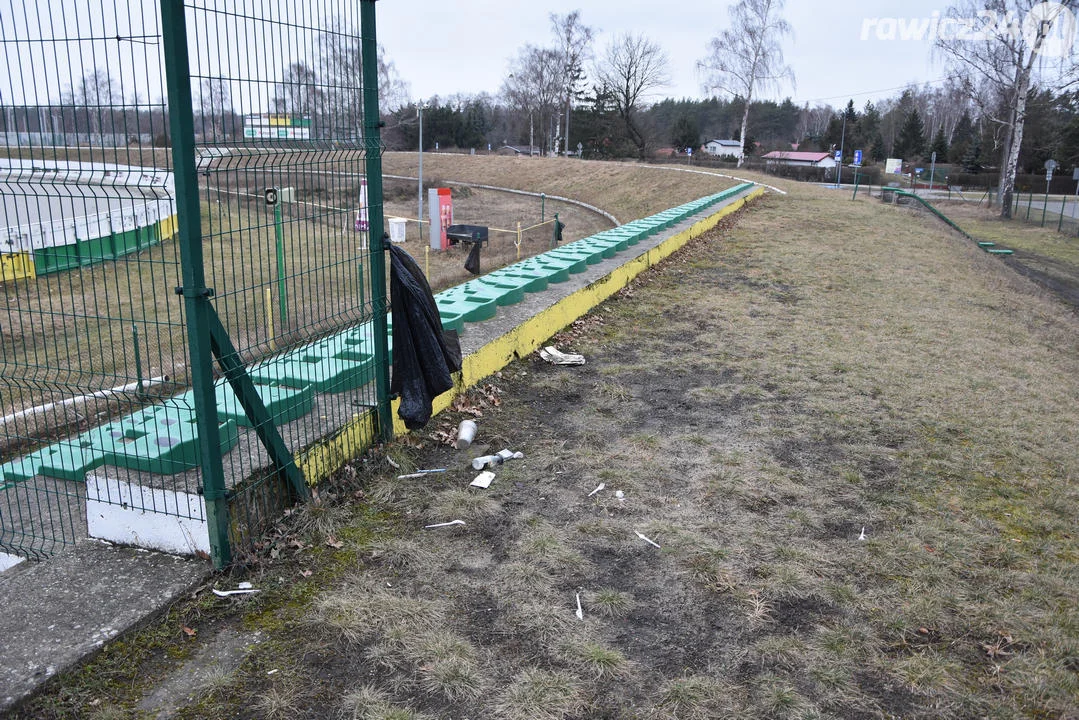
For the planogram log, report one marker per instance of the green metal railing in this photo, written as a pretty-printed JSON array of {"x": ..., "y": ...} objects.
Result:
[{"x": 181, "y": 271}]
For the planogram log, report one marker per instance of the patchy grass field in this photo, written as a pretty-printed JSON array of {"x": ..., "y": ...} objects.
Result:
[
  {"x": 851, "y": 435},
  {"x": 627, "y": 190},
  {"x": 985, "y": 223},
  {"x": 1041, "y": 254}
]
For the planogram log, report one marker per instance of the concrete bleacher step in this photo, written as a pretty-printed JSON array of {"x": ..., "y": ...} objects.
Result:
[{"x": 161, "y": 439}]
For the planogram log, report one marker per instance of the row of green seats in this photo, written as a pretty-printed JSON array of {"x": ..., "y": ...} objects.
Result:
[{"x": 163, "y": 439}]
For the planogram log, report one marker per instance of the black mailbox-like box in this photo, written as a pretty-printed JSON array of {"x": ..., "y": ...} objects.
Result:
[{"x": 467, "y": 233}]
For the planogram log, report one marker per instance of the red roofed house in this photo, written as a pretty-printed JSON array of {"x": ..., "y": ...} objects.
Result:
[{"x": 800, "y": 159}]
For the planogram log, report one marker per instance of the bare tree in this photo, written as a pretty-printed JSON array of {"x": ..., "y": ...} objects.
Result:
[
  {"x": 631, "y": 69},
  {"x": 298, "y": 92},
  {"x": 341, "y": 64},
  {"x": 574, "y": 47},
  {"x": 95, "y": 93},
  {"x": 215, "y": 103},
  {"x": 813, "y": 122},
  {"x": 745, "y": 60},
  {"x": 393, "y": 91},
  {"x": 534, "y": 85},
  {"x": 1018, "y": 46},
  {"x": 301, "y": 95}
]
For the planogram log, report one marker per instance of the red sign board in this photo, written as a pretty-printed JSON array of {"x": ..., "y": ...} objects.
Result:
[{"x": 441, "y": 209}]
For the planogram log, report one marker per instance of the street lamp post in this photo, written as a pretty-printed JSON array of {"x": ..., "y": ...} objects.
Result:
[
  {"x": 419, "y": 217},
  {"x": 842, "y": 143}
]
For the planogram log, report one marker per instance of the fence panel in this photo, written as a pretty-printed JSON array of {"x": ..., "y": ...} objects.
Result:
[
  {"x": 99, "y": 391},
  {"x": 91, "y": 337}
]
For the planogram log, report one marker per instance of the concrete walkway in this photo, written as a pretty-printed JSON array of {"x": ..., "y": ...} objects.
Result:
[
  {"x": 57, "y": 613},
  {"x": 60, "y": 611}
]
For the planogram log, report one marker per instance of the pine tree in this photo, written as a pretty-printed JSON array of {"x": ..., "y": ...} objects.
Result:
[
  {"x": 854, "y": 138},
  {"x": 685, "y": 133},
  {"x": 869, "y": 122},
  {"x": 962, "y": 138},
  {"x": 971, "y": 161},
  {"x": 911, "y": 141},
  {"x": 877, "y": 152},
  {"x": 940, "y": 145}
]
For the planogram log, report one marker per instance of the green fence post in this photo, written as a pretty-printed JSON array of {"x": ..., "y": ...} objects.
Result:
[
  {"x": 363, "y": 290},
  {"x": 1063, "y": 206},
  {"x": 282, "y": 289},
  {"x": 194, "y": 291},
  {"x": 138, "y": 359},
  {"x": 1030, "y": 201},
  {"x": 373, "y": 162},
  {"x": 543, "y": 203}
]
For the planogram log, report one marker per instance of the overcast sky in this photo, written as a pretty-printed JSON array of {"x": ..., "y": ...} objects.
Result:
[
  {"x": 442, "y": 47},
  {"x": 445, "y": 47}
]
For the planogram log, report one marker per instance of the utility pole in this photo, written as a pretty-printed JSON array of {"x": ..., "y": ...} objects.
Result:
[
  {"x": 419, "y": 217},
  {"x": 842, "y": 142}
]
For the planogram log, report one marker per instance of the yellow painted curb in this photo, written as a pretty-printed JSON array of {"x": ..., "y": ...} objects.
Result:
[{"x": 330, "y": 454}]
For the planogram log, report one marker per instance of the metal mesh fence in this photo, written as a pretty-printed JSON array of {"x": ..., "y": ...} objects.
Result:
[
  {"x": 1053, "y": 211},
  {"x": 90, "y": 331},
  {"x": 99, "y": 394}
]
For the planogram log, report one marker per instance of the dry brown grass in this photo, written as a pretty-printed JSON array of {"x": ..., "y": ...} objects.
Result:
[
  {"x": 985, "y": 224},
  {"x": 819, "y": 367},
  {"x": 625, "y": 189}
]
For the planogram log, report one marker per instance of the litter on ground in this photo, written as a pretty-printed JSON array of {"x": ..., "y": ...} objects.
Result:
[
  {"x": 647, "y": 539},
  {"x": 445, "y": 524},
  {"x": 497, "y": 459},
  {"x": 483, "y": 480},
  {"x": 420, "y": 473},
  {"x": 552, "y": 355},
  {"x": 243, "y": 588}
]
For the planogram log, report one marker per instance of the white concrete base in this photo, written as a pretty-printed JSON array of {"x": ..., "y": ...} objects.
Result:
[
  {"x": 175, "y": 522},
  {"x": 8, "y": 561}
]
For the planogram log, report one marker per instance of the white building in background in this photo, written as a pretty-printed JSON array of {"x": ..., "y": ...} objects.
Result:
[
  {"x": 725, "y": 148},
  {"x": 800, "y": 159}
]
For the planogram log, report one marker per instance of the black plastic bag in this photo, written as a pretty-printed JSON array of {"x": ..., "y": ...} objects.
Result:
[
  {"x": 472, "y": 264},
  {"x": 424, "y": 355}
]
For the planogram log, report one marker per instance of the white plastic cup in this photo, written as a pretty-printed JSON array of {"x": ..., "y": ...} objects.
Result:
[
  {"x": 466, "y": 433},
  {"x": 487, "y": 461}
]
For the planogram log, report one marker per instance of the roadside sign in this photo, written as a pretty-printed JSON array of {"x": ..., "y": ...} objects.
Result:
[
  {"x": 857, "y": 157},
  {"x": 689, "y": 151},
  {"x": 839, "y": 156},
  {"x": 271, "y": 196},
  {"x": 1050, "y": 166}
]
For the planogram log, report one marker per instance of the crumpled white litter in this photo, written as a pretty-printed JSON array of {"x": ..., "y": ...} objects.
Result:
[
  {"x": 648, "y": 540},
  {"x": 445, "y": 524},
  {"x": 552, "y": 355}
]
